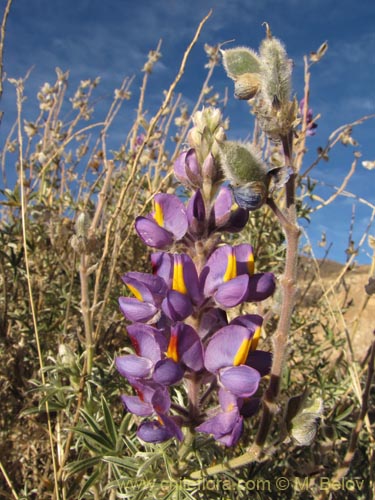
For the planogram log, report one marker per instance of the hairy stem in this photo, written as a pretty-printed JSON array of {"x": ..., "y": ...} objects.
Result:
[{"x": 288, "y": 221}]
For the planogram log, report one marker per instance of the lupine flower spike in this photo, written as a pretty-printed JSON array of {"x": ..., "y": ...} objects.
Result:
[{"x": 179, "y": 328}]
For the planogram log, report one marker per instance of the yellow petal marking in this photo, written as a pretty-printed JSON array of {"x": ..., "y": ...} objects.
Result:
[
  {"x": 243, "y": 351},
  {"x": 231, "y": 270},
  {"x": 158, "y": 215},
  {"x": 137, "y": 294},
  {"x": 255, "y": 339},
  {"x": 250, "y": 263},
  {"x": 178, "y": 278},
  {"x": 172, "y": 348},
  {"x": 230, "y": 407}
]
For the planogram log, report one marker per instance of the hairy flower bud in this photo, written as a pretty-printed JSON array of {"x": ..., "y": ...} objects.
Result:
[
  {"x": 207, "y": 134},
  {"x": 276, "y": 71}
]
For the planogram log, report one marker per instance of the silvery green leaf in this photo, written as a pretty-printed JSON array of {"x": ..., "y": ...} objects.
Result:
[
  {"x": 240, "y": 60},
  {"x": 304, "y": 424}
]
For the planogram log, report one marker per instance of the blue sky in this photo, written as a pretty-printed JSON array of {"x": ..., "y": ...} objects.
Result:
[{"x": 111, "y": 39}]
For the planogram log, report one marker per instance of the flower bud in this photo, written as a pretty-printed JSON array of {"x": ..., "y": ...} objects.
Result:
[
  {"x": 276, "y": 71},
  {"x": 187, "y": 169},
  {"x": 209, "y": 168}
]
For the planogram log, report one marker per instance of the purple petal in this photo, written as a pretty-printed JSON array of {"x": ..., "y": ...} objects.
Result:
[
  {"x": 250, "y": 321},
  {"x": 155, "y": 285},
  {"x": 162, "y": 265},
  {"x": 261, "y": 361},
  {"x": 154, "y": 432},
  {"x": 137, "y": 329},
  {"x": 215, "y": 269},
  {"x": 226, "y": 427},
  {"x": 241, "y": 380},
  {"x": 134, "y": 366},
  {"x": 179, "y": 168},
  {"x": 192, "y": 168},
  {"x": 152, "y": 234},
  {"x": 232, "y": 438},
  {"x": 190, "y": 278},
  {"x": 135, "y": 310},
  {"x": 144, "y": 341},
  {"x": 196, "y": 214},
  {"x": 233, "y": 292},
  {"x": 161, "y": 401},
  {"x": 209, "y": 169},
  {"x": 177, "y": 306},
  {"x": 146, "y": 390},
  {"x": 189, "y": 346},
  {"x": 261, "y": 286},
  {"x": 187, "y": 170},
  {"x": 197, "y": 208},
  {"x": 222, "y": 207},
  {"x": 244, "y": 258},
  {"x": 211, "y": 321},
  {"x": 227, "y": 400},
  {"x": 238, "y": 220},
  {"x": 167, "y": 372},
  {"x": 224, "y": 346},
  {"x": 135, "y": 405},
  {"x": 225, "y": 216},
  {"x": 174, "y": 214},
  {"x": 171, "y": 424}
]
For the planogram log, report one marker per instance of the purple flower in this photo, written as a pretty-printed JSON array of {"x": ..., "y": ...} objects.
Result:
[
  {"x": 187, "y": 169},
  {"x": 179, "y": 273},
  {"x": 226, "y": 426},
  {"x": 152, "y": 399},
  {"x": 196, "y": 214},
  {"x": 225, "y": 216},
  {"x": 149, "y": 345},
  {"x": 158, "y": 431},
  {"x": 165, "y": 225},
  {"x": 185, "y": 347},
  {"x": 226, "y": 355},
  {"x": 149, "y": 291},
  {"x": 228, "y": 277},
  {"x": 310, "y": 125},
  {"x": 158, "y": 358}
]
